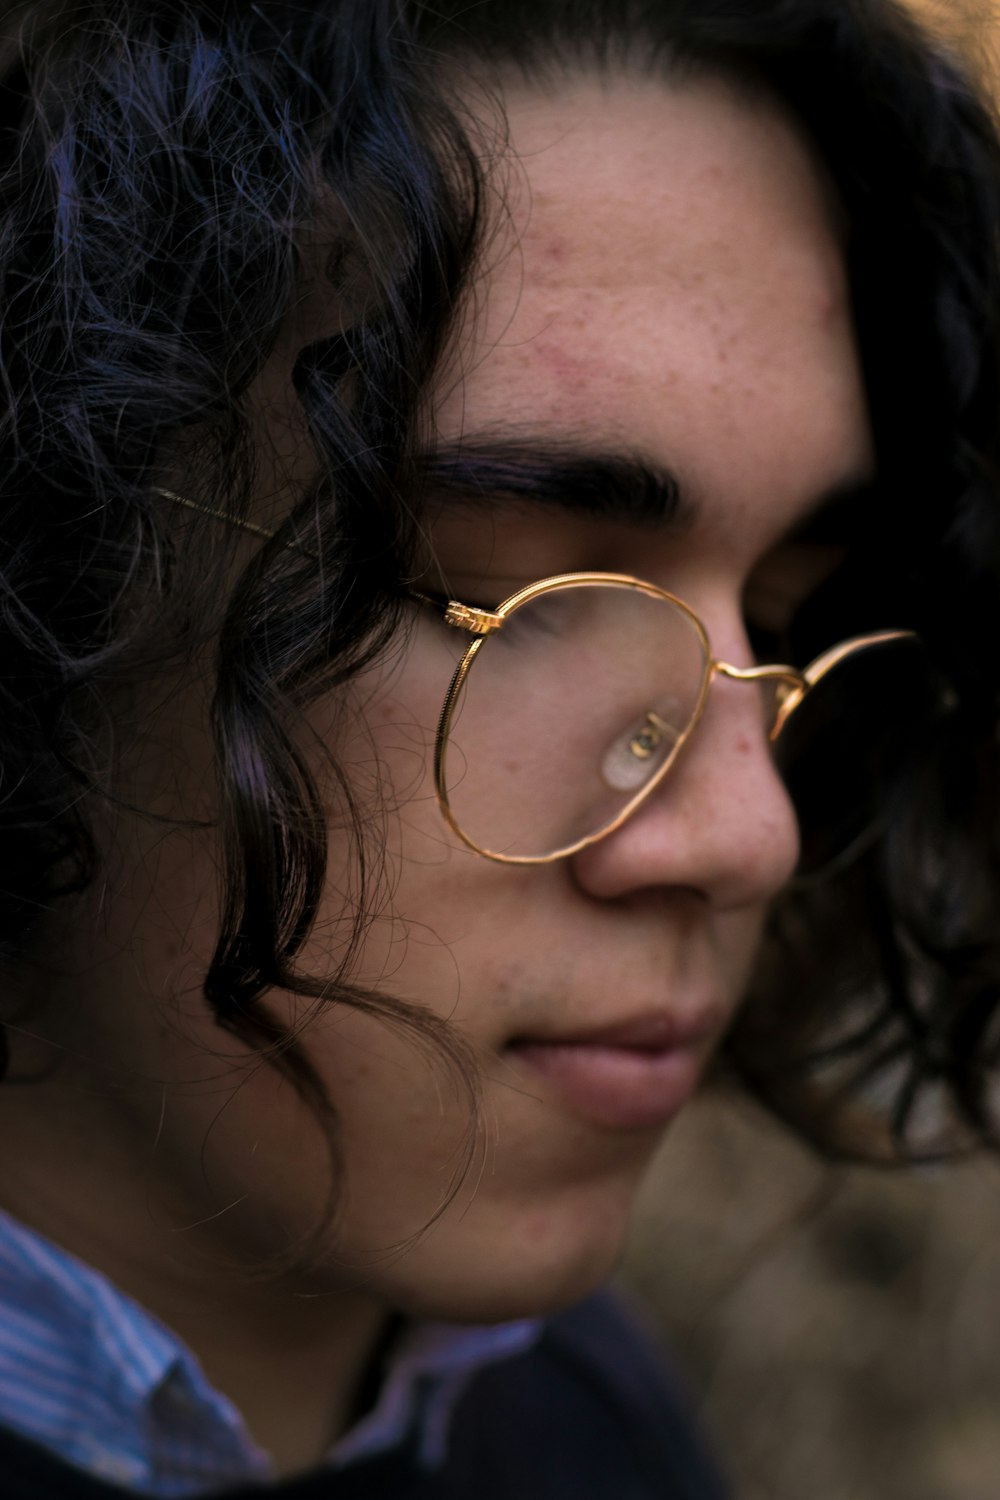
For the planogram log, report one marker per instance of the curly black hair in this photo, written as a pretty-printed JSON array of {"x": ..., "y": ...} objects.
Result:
[{"x": 171, "y": 173}]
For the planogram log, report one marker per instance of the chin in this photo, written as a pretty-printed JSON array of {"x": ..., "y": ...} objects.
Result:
[{"x": 528, "y": 1267}]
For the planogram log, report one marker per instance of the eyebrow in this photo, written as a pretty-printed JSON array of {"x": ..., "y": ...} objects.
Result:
[{"x": 586, "y": 482}]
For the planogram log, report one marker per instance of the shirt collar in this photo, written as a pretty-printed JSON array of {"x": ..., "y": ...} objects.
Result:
[{"x": 91, "y": 1375}]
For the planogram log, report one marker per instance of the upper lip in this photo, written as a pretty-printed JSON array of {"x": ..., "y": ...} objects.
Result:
[{"x": 652, "y": 1031}]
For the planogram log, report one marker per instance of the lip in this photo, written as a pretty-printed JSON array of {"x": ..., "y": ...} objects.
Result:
[{"x": 632, "y": 1075}]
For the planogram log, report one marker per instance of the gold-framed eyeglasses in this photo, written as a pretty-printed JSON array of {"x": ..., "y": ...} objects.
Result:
[{"x": 572, "y": 699}]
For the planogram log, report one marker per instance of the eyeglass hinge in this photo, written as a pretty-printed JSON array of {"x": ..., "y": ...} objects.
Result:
[{"x": 467, "y": 617}]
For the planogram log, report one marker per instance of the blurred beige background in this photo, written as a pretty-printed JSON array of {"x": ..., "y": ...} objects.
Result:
[{"x": 840, "y": 1329}]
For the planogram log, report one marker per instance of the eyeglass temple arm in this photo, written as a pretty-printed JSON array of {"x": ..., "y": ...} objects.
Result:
[
  {"x": 461, "y": 616},
  {"x": 223, "y": 515},
  {"x": 793, "y": 685}
]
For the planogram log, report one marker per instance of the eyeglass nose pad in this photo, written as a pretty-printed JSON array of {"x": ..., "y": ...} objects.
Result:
[{"x": 635, "y": 756}]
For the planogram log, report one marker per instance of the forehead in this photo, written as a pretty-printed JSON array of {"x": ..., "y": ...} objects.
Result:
[{"x": 666, "y": 279}]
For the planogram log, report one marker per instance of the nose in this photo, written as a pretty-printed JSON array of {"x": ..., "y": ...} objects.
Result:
[{"x": 721, "y": 824}]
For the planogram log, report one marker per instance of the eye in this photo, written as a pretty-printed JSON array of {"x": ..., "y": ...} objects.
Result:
[{"x": 780, "y": 586}]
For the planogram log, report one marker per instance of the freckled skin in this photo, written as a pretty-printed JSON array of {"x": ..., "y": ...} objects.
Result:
[{"x": 675, "y": 252}]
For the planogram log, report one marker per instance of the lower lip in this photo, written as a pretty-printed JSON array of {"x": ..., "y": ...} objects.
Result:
[{"x": 620, "y": 1087}]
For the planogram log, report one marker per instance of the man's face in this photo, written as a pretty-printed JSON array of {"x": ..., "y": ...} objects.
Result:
[{"x": 667, "y": 287}]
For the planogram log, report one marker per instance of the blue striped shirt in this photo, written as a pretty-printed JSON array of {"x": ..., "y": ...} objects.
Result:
[{"x": 89, "y": 1374}]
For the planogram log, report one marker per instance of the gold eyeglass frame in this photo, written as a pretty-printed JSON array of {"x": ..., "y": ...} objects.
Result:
[{"x": 793, "y": 685}]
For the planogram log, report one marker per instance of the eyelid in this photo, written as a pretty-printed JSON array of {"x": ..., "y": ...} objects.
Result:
[
  {"x": 484, "y": 592},
  {"x": 785, "y": 579}
]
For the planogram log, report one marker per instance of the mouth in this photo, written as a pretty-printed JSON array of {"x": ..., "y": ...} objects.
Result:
[{"x": 635, "y": 1075}]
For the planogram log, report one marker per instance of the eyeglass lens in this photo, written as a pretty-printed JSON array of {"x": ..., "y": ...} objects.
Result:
[{"x": 567, "y": 713}]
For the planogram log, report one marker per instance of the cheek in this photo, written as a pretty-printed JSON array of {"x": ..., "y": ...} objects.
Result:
[
  {"x": 738, "y": 943},
  {"x": 384, "y": 730},
  {"x": 398, "y": 892},
  {"x": 386, "y": 757},
  {"x": 406, "y": 1110}
]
